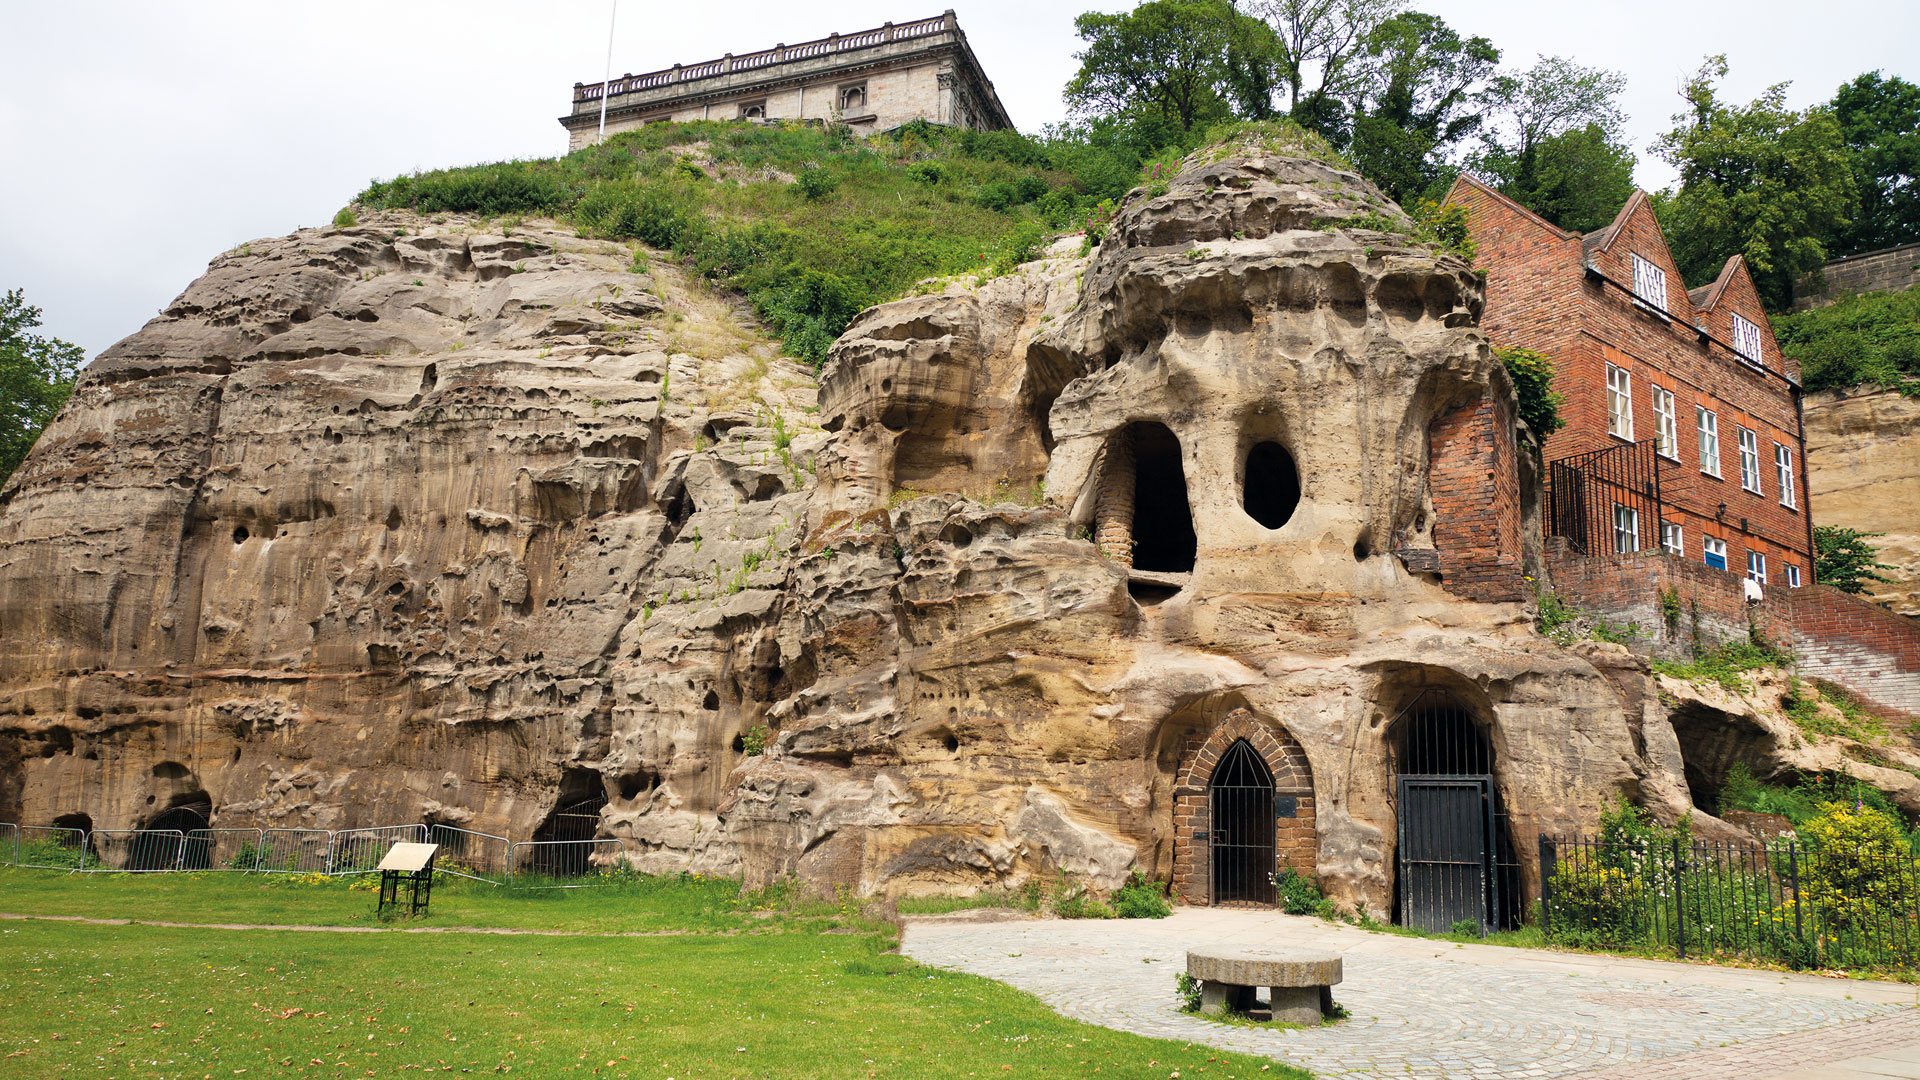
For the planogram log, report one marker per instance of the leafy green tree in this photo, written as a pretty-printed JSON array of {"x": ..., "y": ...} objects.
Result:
[
  {"x": 1532, "y": 375},
  {"x": 1318, "y": 49},
  {"x": 36, "y": 376},
  {"x": 1880, "y": 120},
  {"x": 1759, "y": 180},
  {"x": 1845, "y": 560},
  {"x": 1421, "y": 99},
  {"x": 1162, "y": 64},
  {"x": 1552, "y": 142}
]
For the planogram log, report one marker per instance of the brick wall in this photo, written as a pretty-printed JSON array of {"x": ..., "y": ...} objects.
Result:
[
  {"x": 1296, "y": 844},
  {"x": 1474, "y": 483},
  {"x": 1833, "y": 635},
  {"x": 1539, "y": 297}
]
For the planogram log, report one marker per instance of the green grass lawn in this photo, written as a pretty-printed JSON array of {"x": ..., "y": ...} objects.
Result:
[{"x": 787, "y": 990}]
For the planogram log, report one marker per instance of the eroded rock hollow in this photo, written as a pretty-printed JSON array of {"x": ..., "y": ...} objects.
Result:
[{"x": 411, "y": 520}]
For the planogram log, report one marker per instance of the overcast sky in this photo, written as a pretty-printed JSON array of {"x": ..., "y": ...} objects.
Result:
[{"x": 140, "y": 139}]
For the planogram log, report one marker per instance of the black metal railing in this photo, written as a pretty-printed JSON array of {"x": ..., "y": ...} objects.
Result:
[
  {"x": 1588, "y": 493},
  {"x": 1780, "y": 901}
]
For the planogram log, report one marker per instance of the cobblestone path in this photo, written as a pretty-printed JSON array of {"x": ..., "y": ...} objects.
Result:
[{"x": 1429, "y": 1010}]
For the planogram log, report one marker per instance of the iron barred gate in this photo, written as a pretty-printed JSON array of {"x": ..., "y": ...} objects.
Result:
[{"x": 1240, "y": 802}]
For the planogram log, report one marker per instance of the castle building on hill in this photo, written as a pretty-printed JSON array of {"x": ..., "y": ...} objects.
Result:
[
  {"x": 872, "y": 81},
  {"x": 1683, "y": 423}
]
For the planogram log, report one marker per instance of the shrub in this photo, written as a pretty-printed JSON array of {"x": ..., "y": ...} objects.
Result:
[
  {"x": 346, "y": 217},
  {"x": 1141, "y": 898},
  {"x": 1532, "y": 376},
  {"x": 753, "y": 742},
  {"x": 1872, "y": 339},
  {"x": 815, "y": 183},
  {"x": 1845, "y": 560},
  {"x": 1858, "y": 873},
  {"x": 1444, "y": 225},
  {"x": 1071, "y": 901},
  {"x": 1300, "y": 895}
]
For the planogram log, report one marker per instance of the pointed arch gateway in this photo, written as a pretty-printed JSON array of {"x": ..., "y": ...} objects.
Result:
[{"x": 1243, "y": 811}]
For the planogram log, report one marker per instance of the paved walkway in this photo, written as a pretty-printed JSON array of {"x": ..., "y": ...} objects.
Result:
[{"x": 1430, "y": 1010}]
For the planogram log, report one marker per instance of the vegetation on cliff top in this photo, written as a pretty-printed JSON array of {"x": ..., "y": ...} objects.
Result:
[
  {"x": 36, "y": 376},
  {"x": 810, "y": 223},
  {"x": 1867, "y": 340}
]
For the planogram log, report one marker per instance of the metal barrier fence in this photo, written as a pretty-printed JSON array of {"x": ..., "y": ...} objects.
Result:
[
  {"x": 222, "y": 849},
  {"x": 135, "y": 851},
  {"x": 359, "y": 851},
  {"x": 565, "y": 864},
  {"x": 477, "y": 856},
  {"x": 1780, "y": 901},
  {"x": 50, "y": 847},
  {"x": 468, "y": 854},
  {"x": 294, "y": 851}
]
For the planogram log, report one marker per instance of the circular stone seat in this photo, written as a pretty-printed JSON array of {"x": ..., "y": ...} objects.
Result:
[{"x": 1300, "y": 980}]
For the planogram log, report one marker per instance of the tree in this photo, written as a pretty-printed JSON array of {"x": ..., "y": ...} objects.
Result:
[
  {"x": 36, "y": 376},
  {"x": 1880, "y": 120},
  {"x": 1551, "y": 142},
  {"x": 1163, "y": 63},
  {"x": 1759, "y": 180},
  {"x": 1845, "y": 560},
  {"x": 1317, "y": 49},
  {"x": 1420, "y": 99}
]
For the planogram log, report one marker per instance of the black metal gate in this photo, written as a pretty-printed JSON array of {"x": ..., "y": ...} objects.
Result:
[
  {"x": 1446, "y": 872},
  {"x": 1240, "y": 803},
  {"x": 1456, "y": 861},
  {"x": 568, "y": 835}
]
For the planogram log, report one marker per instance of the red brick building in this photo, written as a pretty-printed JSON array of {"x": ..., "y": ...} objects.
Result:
[{"x": 1683, "y": 418}]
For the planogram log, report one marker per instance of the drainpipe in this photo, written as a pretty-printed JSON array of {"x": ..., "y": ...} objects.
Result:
[{"x": 1800, "y": 416}]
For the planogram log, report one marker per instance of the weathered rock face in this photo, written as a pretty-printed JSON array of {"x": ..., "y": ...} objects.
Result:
[
  {"x": 1864, "y": 473},
  {"x": 372, "y": 526}
]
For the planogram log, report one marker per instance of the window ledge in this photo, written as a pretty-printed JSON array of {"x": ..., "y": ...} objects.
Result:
[{"x": 1714, "y": 475}]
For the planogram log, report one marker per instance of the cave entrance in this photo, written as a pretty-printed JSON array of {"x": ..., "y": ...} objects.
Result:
[
  {"x": 1270, "y": 487},
  {"x": 563, "y": 844},
  {"x": 1456, "y": 857},
  {"x": 1241, "y": 849},
  {"x": 1142, "y": 518},
  {"x": 175, "y": 838}
]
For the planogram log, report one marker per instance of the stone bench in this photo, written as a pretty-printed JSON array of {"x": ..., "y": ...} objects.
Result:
[{"x": 1299, "y": 980}]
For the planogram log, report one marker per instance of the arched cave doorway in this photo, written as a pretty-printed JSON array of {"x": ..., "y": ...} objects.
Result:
[
  {"x": 564, "y": 843},
  {"x": 157, "y": 848},
  {"x": 1270, "y": 486},
  {"x": 1456, "y": 857},
  {"x": 1241, "y": 850},
  {"x": 1141, "y": 517}
]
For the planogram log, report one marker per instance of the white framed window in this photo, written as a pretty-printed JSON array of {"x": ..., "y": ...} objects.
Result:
[
  {"x": 1670, "y": 538},
  {"x": 1650, "y": 283},
  {"x": 1746, "y": 341},
  {"x": 1750, "y": 461},
  {"x": 1756, "y": 568},
  {"x": 1783, "y": 470},
  {"x": 1793, "y": 576},
  {"x": 1619, "y": 402},
  {"x": 1714, "y": 552},
  {"x": 1626, "y": 529},
  {"x": 1666, "y": 422},
  {"x": 1709, "y": 426}
]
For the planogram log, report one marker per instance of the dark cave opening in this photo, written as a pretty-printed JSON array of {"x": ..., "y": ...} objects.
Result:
[
  {"x": 1270, "y": 488},
  {"x": 1163, "y": 537}
]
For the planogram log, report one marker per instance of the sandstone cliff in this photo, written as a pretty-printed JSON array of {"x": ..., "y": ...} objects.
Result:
[
  {"x": 418, "y": 519},
  {"x": 1863, "y": 471}
]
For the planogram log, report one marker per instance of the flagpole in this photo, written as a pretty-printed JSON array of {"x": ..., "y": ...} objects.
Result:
[{"x": 607, "y": 83}]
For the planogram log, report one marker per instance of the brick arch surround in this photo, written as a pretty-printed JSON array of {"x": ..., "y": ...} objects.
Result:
[{"x": 1296, "y": 844}]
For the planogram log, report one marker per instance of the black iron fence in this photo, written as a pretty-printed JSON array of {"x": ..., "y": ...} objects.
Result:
[
  {"x": 1607, "y": 501},
  {"x": 1779, "y": 901}
]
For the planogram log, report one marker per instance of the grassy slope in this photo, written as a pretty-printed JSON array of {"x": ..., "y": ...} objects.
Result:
[
  {"x": 1869, "y": 339},
  {"x": 143, "y": 1001},
  {"x": 809, "y": 223}
]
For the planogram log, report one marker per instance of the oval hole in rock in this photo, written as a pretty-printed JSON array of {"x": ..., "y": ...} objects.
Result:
[
  {"x": 1271, "y": 488},
  {"x": 952, "y": 743},
  {"x": 739, "y": 744},
  {"x": 712, "y": 702},
  {"x": 886, "y": 386},
  {"x": 1363, "y": 547},
  {"x": 240, "y": 534},
  {"x": 957, "y": 535}
]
